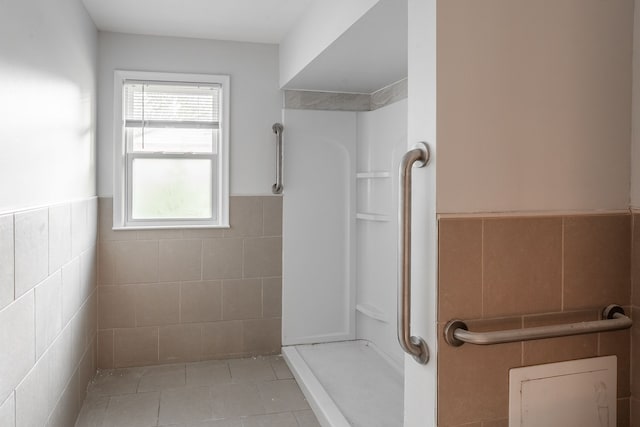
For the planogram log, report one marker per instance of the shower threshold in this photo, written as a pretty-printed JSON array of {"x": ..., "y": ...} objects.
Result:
[{"x": 348, "y": 384}]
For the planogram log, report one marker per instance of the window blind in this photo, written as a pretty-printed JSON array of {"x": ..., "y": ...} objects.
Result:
[
  {"x": 163, "y": 105},
  {"x": 172, "y": 117}
]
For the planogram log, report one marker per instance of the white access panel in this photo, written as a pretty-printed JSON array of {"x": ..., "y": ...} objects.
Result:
[{"x": 578, "y": 393}]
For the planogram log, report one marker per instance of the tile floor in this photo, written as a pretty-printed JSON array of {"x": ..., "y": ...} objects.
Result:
[{"x": 255, "y": 392}]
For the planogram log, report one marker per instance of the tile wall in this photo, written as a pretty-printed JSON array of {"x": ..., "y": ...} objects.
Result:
[
  {"x": 167, "y": 296},
  {"x": 513, "y": 272},
  {"x": 47, "y": 313},
  {"x": 635, "y": 330}
]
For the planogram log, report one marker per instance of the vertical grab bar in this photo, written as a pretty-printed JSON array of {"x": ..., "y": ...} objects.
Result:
[
  {"x": 277, "y": 187},
  {"x": 415, "y": 346}
]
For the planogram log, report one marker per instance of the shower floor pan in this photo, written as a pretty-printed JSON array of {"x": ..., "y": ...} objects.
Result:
[{"x": 348, "y": 384}]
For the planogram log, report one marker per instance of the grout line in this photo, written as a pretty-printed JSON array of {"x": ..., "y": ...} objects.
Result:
[
  {"x": 113, "y": 348},
  {"x": 522, "y": 343},
  {"x": 482, "y": 302},
  {"x": 632, "y": 250},
  {"x": 160, "y": 397},
  {"x": 48, "y": 241},
  {"x": 35, "y": 328},
  {"x": 180, "y": 302},
  {"x": 200, "y": 349},
  {"x": 228, "y": 365},
  {"x": 243, "y": 250},
  {"x": 221, "y": 300},
  {"x": 262, "y": 199},
  {"x": 562, "y": 265},
  {"x": 135, "y": 288},
  {"x": 201, "y": 259},
  {"x": 13, "y": 241},
  {"x": 532, "y": 214}
]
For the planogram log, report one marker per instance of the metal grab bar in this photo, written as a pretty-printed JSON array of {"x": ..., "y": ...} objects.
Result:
[
  {"x": 413, "y": 345},
  {"x": 456, "y": 332},
  {"x": 277, "y": 187}
]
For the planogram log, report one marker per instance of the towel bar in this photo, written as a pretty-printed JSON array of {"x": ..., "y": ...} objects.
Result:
[{"x": 457, "y": 333}]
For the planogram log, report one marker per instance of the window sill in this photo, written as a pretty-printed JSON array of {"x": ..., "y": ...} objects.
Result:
[{"x": 167, "y": 227}]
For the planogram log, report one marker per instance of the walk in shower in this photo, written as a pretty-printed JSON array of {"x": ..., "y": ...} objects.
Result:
[
  {"x": 345, "y": 132},
  {"x": 340, "y": 261}
]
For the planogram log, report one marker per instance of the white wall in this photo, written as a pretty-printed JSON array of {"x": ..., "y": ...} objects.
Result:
[
  {"x": 322, "y": 23},
  {"x": 255, "y": 97},
  {"x": 421, "y": 380},
  {"x": 47, "y": 102},
  {"x": 47, "y": 255},
  {"x": 362, "y": 59},
  {"x": 534, "y": 105}
]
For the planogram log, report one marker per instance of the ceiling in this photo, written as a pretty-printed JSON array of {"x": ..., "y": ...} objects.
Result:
[
  {"x": 370, "y": 55},
  {"x": 261, "y": 21}
]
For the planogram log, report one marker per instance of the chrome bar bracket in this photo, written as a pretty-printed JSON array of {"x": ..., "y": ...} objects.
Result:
[
  {"x": 610, "y": 311},
  {"x": 456, "y": 332},
  {"x": 413, "y": 345},
  {"x": 277, "y": 187},
  {"x": 449, "y": 335}
]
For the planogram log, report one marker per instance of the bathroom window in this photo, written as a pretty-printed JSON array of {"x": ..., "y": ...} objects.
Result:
[{"x": 172, "y": 150}]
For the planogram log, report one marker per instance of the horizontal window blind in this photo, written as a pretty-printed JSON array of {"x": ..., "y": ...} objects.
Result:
[
  {"x": 152, "y": 102},
  {"x": 172, "y": 117}
]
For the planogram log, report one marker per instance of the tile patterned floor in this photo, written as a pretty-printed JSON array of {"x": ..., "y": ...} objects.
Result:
[{"x": 256, "y": 392}]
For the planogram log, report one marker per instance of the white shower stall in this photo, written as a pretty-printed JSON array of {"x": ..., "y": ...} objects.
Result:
[
  {"x": 343, "y": 146},
  {"x": 340, "y": 264}
]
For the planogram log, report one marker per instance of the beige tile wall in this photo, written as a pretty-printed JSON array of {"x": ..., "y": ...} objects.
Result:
[
  {"x": 48, "y": 310},
  {"x": 513, "y": 272},
  {"x": 182, "y": 295},
  {"x": 635, "y": 330}
]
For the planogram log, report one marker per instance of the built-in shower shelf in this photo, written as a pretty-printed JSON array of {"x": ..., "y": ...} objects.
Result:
[
  {"x": 372, "y": 311},
  {"x": 373, "y": 217},
  {"x": 373, "y": 174}
]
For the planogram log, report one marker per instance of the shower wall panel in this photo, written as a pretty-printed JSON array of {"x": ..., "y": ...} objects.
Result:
[
  {"x": 319, "y": 226},
  {"x": 382, "y": 139}
]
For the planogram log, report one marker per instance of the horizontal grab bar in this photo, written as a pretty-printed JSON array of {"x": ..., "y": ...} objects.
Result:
[{"x": 457, "y": 333}]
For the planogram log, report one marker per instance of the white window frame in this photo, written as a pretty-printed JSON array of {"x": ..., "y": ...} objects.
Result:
[{"x": 123, "y": 160}]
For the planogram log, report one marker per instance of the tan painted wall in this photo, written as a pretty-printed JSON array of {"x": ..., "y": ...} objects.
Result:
[{"x": 534, "y": 105}]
